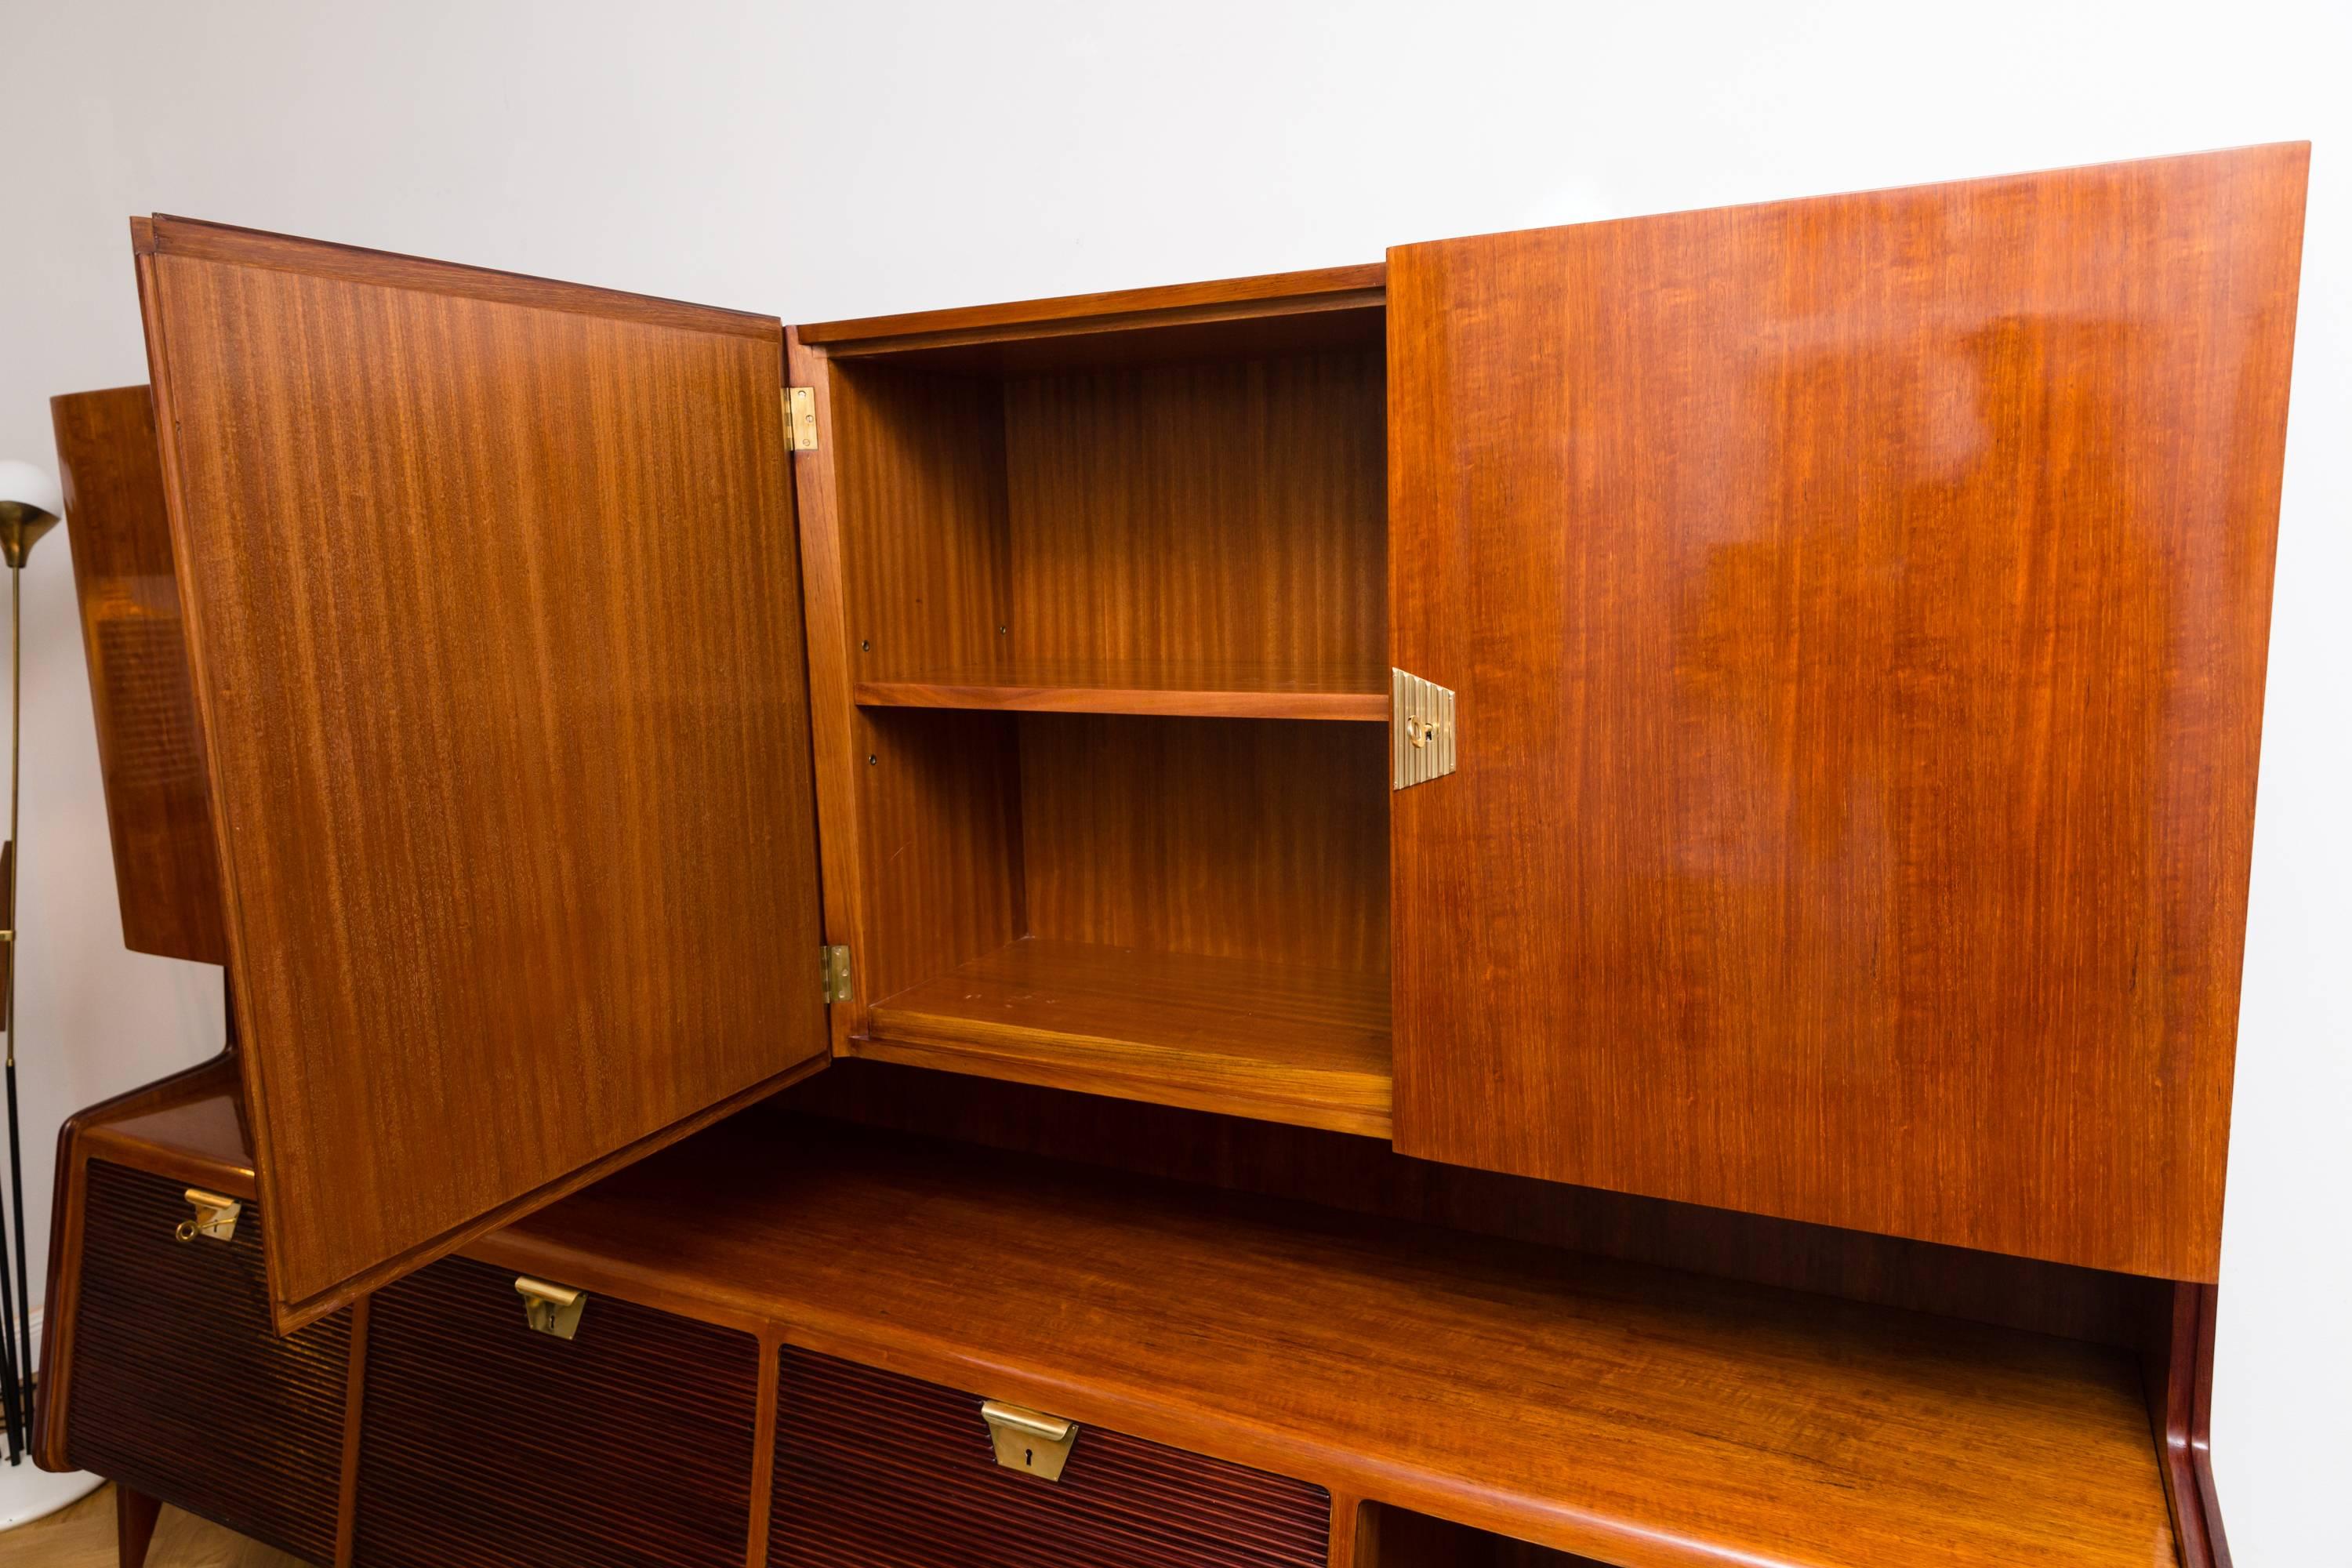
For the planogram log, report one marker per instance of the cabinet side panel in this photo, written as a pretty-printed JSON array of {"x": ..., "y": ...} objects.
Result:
[
  {"x": 165, "y": 875},
  {"x": 912, "y": 484},
  {"x": 1858, "y": 609}
]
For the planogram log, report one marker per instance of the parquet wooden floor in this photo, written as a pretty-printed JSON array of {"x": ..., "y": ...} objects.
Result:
[{"x": 82, "y": 1536}]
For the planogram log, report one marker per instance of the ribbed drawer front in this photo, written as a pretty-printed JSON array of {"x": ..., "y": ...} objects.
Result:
[
  {"x": 876, "y": 1470},
  {"x": 482, "y": 1442},
  {"x": 180, "y": 1389}
]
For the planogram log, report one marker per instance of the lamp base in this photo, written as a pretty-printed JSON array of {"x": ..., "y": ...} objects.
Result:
[{"x": 29, "y": 1492}]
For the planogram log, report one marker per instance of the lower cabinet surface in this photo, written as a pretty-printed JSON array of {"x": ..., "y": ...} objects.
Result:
[
  {"x": 882, "y": 1471},
  {"x": 181, "y": 1390},
  {"x": 484, "y": 1442}
]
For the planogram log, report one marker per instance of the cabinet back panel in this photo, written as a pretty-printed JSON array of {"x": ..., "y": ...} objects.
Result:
[
  {"x": 1258, "y": 840},
  {"x": 1216, "y": 517}
]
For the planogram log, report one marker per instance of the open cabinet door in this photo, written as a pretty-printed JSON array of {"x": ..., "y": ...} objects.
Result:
[
  {"x": 494, "y": 622},
  {"x": 1856, "y": 610}
]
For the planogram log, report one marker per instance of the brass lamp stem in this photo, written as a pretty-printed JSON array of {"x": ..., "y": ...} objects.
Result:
[{"x": 15, "y": 751}]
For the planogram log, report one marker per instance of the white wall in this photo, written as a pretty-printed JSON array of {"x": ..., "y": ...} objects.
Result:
[{"x": 853, "y": 158}]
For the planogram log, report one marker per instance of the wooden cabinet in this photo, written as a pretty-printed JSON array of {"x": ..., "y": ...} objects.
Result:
[{"x": 1753, "y": 709}]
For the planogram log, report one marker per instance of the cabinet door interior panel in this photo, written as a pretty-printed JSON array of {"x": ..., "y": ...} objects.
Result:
[
  {"x": 1857, "y": 609},
  {"x": 494, "y": 613}
]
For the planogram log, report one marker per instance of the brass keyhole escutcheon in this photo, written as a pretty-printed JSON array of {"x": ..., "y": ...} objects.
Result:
[
  {"x": 1029, "y": 1441},
  {"x": 216, "y": 1217},
  {"x": 1417, "y": 730}
]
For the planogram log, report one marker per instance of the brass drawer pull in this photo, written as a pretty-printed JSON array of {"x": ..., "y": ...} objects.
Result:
[
  {"x": 1029, "y": 1441},
  {"x": 216, "y": 1217},
  {"x": 550, "y": 1308}
]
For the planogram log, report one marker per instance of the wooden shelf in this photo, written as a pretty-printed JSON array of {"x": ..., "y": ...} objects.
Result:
[
  {"x": 1355, "y": 707},
  {"x": 1297, "y": 1045},
  {"x": 1188, "y": 688},
  {"x": 1645, "y": 1416}
]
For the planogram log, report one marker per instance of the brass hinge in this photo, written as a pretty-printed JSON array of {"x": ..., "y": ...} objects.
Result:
[
  {"x": 834, "y": 970},
  {"x": 550, "y": 1308},
  {"x": 1029, "y": 1441},
  {"x": 800, "y": 418},
  {"x": 1421, "y": 731}
]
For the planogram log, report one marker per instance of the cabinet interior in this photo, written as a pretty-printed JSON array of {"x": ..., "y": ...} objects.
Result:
[
  {"x": 1391, "y": 1537},
  {"x": 1115, "y": 627}
]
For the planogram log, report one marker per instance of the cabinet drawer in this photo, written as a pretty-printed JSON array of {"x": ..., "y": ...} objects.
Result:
[
  {"x": 180, "y": 1388},
  {"x": 876, "y": 1469},
  {"x": 484, "y": 1442}
]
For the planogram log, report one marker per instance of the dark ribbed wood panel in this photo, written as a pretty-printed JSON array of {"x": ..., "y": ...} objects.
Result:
[
  {"x": 484, "y": 1443},
  {"x": 180, "y": 1389},
  {"x": 876, "y": 1470}
]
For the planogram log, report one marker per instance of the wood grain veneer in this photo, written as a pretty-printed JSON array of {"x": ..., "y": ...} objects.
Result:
[
  {"x": 183, "y": 1393},
  {"x": 494, "y": 616},
  {"x": 1259, "y": 842},
  {"x": 1856, "y": 796},
  {"x": 1647, "y": 1417},
  {"x": 873, "y": 1468},
  {"x": 166, "y": 877},
  {"x": 1223, "y": 514},
  {"x": 1244, "y": 1036},
  {"x": 486, "y": 1444}
]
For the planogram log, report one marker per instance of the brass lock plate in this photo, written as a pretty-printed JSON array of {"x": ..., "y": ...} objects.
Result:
[
  {"x": 550, "y": 1308},
  {"x": 216, "y": 1217},
  {"x": 1420, "y": 729},
  {"x": 1028, "y": 1440}
]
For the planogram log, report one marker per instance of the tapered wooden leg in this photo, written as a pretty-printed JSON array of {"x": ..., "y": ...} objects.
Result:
[{"x": 135, "y": 1525}]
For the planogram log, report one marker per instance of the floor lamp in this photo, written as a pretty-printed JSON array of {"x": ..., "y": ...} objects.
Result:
[{"x": 30, "y": 505}]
